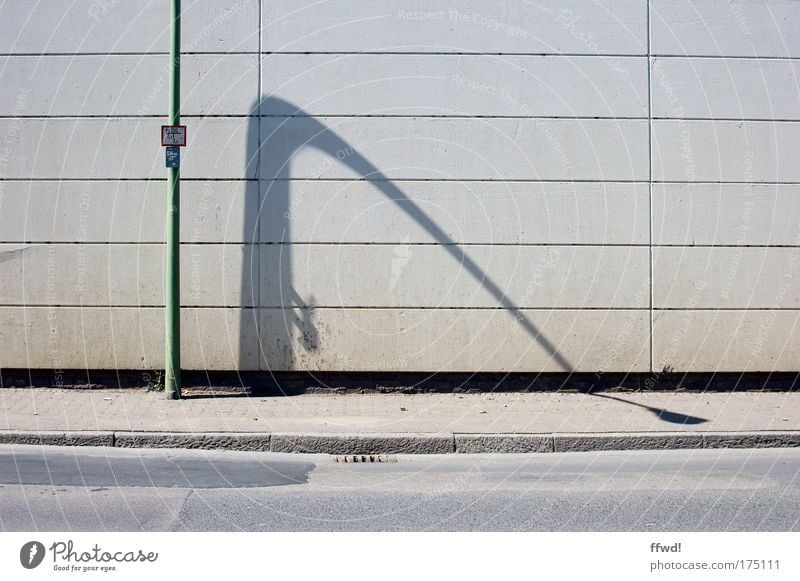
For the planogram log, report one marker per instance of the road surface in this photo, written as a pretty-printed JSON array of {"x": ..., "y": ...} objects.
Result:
[{"x": 110, "y": 489}]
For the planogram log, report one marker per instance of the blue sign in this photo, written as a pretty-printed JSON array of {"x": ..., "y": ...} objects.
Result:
[{"x": 173, "y": 156}]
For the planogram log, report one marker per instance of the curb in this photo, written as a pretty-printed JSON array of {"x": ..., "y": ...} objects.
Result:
[
  {"x": 57, "y": 438},
  {"x": 398, "y": 443},
  {"x": 408, "y": 443}
]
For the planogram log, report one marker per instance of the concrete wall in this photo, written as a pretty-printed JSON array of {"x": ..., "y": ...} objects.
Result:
[{"x": 406, "y": 186}]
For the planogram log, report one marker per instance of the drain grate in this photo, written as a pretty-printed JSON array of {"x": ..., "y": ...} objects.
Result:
[{"x": 365, "y": 458}]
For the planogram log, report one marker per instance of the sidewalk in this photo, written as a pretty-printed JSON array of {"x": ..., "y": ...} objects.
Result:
[{"x": 400, "y": 423}]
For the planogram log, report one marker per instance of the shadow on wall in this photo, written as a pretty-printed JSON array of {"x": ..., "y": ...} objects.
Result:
[
  {"x": 287, "y": 324},
  {"x": 288, "y": 315}
]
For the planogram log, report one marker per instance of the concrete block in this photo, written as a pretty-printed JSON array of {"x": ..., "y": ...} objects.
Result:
[
  {"x": 526, "y": 86},
  {"x": 377, "y": 148},
  {"x": 193, "y": 440},
  {"x": 215, "y": 275},
  {"x": 423, "y": 443},
  {"x": 740, "y": 278},
  {"x": 464, "y": 212},
  {"x": 546, "y": 27},
  {"x": 709, "y": 27},
  {"x": 125, "y": 211},
  {"x": 503, "y": 443},
  {"x": 579, "y": 442},
  {"x": 475, "y": 276},
  {"x": 103, "y": 26},
  {"x": 126, "y": 85},
  {"x": 216, "y": 338},
  {"x": 726, "y": 151},
  {"x": 726, "y": 214},
  {"x": 124, "y": 275},
  {"x": 455, "y": 340},
  {"x": 215, "y": 211},
  {"x": 56, "y": 438},
  {"x": 124, "y": 338},
  {"x": 218, "y": 147},
  {"x": 707, "y": 340},
  {"x": 751, "y": 440},
  {"x": 725, "y": 88}
]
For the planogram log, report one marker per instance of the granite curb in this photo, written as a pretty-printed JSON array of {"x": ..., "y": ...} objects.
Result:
[{"x": 408, "y": 443}]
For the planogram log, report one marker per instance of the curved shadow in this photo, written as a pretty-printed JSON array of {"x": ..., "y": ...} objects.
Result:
[
  {"x": 281, "y": 129},
  {"x": 661, "y": 414}
]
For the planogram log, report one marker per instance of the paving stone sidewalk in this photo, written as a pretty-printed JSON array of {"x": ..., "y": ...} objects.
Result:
[{"x": 378, "y": 423}]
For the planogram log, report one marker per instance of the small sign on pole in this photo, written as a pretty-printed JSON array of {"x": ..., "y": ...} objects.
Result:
[
  {"x": 173, "y": 156},
  {"x": 173, "y": 135}
]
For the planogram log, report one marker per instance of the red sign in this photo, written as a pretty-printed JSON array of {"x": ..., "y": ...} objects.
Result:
[{"x": 173, "y": 135}]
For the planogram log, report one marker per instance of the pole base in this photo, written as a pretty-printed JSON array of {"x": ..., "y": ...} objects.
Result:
[{"x": 172, "y": 389}]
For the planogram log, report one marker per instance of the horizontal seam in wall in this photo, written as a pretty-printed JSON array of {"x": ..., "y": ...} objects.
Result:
[
  {"x": 714, "y": 309},
  {"x": 130, "y": 116},
  {"x": 642, "y": 55},
  {"x": 715, "y": 182},
  {"x": 492, "y": 180},
  {"x": 488, "y": 244},
  {"x": 629, "y": 55},
  {"x": 725, "y": 57},
  {"x": 405, "y": 179},
  {"x": 331, "y": 53},
  {"x": 534, "y": 117},
  {"x": 122, "y": 53},
  {"x": 401, "y": 308},
  {"x": 320, "y": 307},
  {"x": 120, "y": 179},
  {"x": 125, "y": 117}
]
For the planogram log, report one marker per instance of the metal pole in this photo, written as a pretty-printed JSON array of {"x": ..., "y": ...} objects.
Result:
[{"x": 172, "y": 381}]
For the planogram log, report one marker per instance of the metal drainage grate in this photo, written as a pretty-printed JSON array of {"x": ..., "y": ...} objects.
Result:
[{"x": 368, "y": 458}]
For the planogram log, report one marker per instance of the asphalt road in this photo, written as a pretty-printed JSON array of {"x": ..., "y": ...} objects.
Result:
[{"x": 88, "y": 489}]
